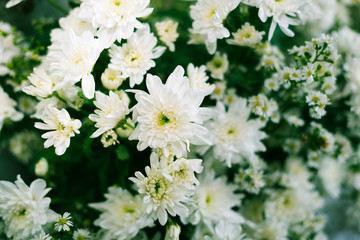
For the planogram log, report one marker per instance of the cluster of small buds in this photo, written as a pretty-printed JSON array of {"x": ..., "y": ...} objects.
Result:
[
  {"x": 294, "y": 119},
  {"x": 264, "y": 108},
  {"x": 250, "y": 180}
]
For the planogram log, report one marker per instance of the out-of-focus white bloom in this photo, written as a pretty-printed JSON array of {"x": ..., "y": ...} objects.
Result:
[
  {"x": 61, "y": 128},
  {"x": 318, "y": 102},
  {"x": 218, "y": 66},
  {"x": 346, "y": 38},
  {"x": 135, "y": 57},
  {"x": 161, "y": 194},
  {"x": 298, "y": 173},
  {"x": 42, "y": 236},
  {"x": 271, "y": 84},
  {"x": 122, "y": 215},
  {"x": 111, "y": 111},
  {"x": 170, "y": 116},
  {"x": 12, "y": 3},
  {"x": 41, "y": 167},
  {"x": 272, "y": 230},
  {"x": 352, "y": 75},
  {"x": 127, "y": 129},
  {"x": 24, "y": 145},
  {"x": 294, "y": 120},
  {"x": 283, "y": 13},
  {"x": 246, "y": 36},
  {"x": 111, "y": 79},
  {"x": 8, "y": 48},
  {"x": 219, "y": 91},
  {"x": 331, "y": 173},
  {"x": 7, "y": 109},
  {"x": 226, "y": 231},
  {"x": 81, "y": 234},
  {"x": 250, "y": 180},
  {"x": 114, "y": 19},
  {"x": 73, "y": 22},
  {"x": 235, "y": 137},
  {"x": 264, "y": 107},
  {"x": 214, "y": 201},
  {"x": 167, "y": 32},
  {"x": 208, "y": 16},
  {"x": 172, "y": 232},
  {"x": 63, "y": 222},
  {"x": 27, "y": 104},
  {"x": 197, "y": 77},
  {"x": 109, "y": 138},
  {"x": 24, "y": 209},
  {"x": 42, "y": 84},
  {"x": 73, "y": 59}
]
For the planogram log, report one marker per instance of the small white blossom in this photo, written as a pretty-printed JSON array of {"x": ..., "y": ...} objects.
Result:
[
  {"x": 42, "y": 236},
  {"x": 167, "y": 32},
  {"x": 111, "y": 79},
  {"x": 7, "y": 108},
  {"x": 81, "y": 234},
  {"x": 109, "y": 138},
  {"x": 63, "y": 222},
  {"x": 218, "y": 66},
  {"x": 246, "y": 36}
]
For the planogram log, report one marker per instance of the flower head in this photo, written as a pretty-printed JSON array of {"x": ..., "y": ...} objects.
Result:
[{"x": 63, "y": 222}]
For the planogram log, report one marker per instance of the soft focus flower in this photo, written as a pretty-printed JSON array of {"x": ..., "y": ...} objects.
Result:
[{"x": 63, "y": 222}]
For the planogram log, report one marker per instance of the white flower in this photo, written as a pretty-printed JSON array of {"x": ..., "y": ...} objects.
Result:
[
  {"x": 81, "y": 234},
  {"x": 218, "y": 66},
  {"x": 7, "y": 108},
  {"x": 42, "y": 236},
  {"x": 235, "y": 137},
  {"x": 167, "y": 32},
  {"x": 214, "y": 201},
  {"x": 24, "y": 209},
  {"x": 111, "y": 111},
  {"x": 331, "y": 174},
  {"x": 208, "y": 16},
  {"x": 161, "y": 194},
  {"x": 61, "y": 127},
  {"x": 170, "y": 116},
  {"x": 73, "y": 22},
  {"x": 73, "y": 59},
  {"x": 114, "y": 19},
  {"x": 246, "y": 36},
  {"x": 134, "y": 58},
  {"x": 41, "y": 167},
  {"x": 172, "y": 231},
  {"x": 197, "y": 77},
  {"x": 24, "y": 144},
  {"x": 123, "y": 215},
  {"x": 111, "y": 79},
  {"x": 109, "y": 138},
  {"x": 63, "y": 222},
  {"x": 42, "y": 84},
  {"x": 12, "y": 3},
  {"x": 283, "y": 13}
]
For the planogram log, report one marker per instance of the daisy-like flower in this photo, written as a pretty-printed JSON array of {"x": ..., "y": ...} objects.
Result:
[
  {"x": 161, "y": 194},
  {"x": 114, "y": 19},
  {"x": 24, "y": 209},
  {"x": 61, "y": 128},
  {"x": 42, "y": 84},
  {"x": 208, "y": 16},
  {"x": 218, "y": 66},
  {"x": 111, "y": 111},
  {"x": 134, "y": 58},
  {"x": 283, "y": 13},
  {"x": 42, "y": 236},
  {"x": 63, "y": 222},
  {"x": 111, "y": 79},
  {"x": 7, "y": 108},
  {"x": 246, "y": 36},
  {"x": 73, "y": 59},
  {"x": 81, "y": 234},
  {"x": 235, "y": 137},
  {"x": 122, "y": 215},
  {"x": 167, "y": 32},
  {"x": 198, "y": 78},
  {"x": 214, "y": 201},
  {"x": 170, "y": 116}
]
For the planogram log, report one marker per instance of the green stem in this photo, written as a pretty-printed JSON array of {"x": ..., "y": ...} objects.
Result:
[{"x": 57, "y": 6}]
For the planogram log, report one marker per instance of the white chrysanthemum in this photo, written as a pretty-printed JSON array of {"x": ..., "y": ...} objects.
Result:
[
  {"x": 81, "y": 234},
  {"x": 61, "y": 128},
  {"x": 73, "y": 59},
  {"x": 123, "y": 215},
  {"x": 235, "y": 137},
  {"x": 218, "y": 65},
  {"x": 111, "y": 79},
  {"x": 114, "y": 19},
  {"x": 7, "y": 108},
  {"x": 111, "y": 111},
  {"x": 208, "y": 16},
  {"x": 134, "y": 58},
  {"x": 283, "y": 13},
  {"x": 214, "y": 201},
  {"x": 162, "y": 195},
  {"x": 331, "y": 174},
  {"x": 42, "y": 84},
  {"x": 246, "y": 36},
  {"x": 170, "y": 116},
  {"x": 167, "y": 32},
  {"x": 73, "y": 22},
  {"x": 24, "y": 209},
  {"x": 63, "y": 222},
  {"x": 197, "y": 77},
  {"x": 8, "y": 49}
]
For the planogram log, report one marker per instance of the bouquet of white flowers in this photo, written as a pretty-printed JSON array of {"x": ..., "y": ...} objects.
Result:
[{"x": 207, "y": 119}]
